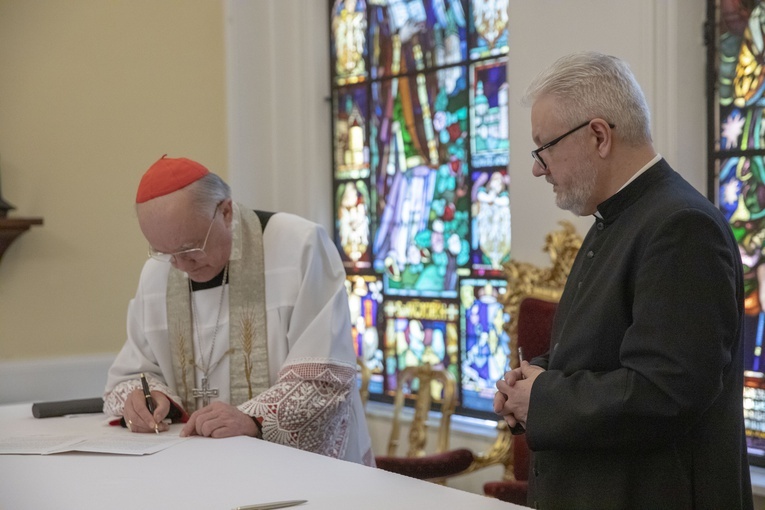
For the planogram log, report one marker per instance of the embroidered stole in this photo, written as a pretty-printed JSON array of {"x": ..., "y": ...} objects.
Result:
[{"x": 248, "y": 343}]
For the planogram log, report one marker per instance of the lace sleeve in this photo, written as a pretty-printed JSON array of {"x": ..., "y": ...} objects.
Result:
[
  {"x": 114, "y": 401},
  {"x": 308, "y": 407}
]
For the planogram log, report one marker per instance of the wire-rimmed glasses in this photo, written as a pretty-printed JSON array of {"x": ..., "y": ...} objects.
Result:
[{"x": 535, "y": 152}]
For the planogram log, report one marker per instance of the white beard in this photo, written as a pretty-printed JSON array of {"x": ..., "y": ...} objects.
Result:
[{"x": 575, "y": 199}]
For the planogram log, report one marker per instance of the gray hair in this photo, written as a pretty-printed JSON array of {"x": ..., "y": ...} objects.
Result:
[
  {"x": 589, "y": 85},
  {"x": 208, "y": 192}
]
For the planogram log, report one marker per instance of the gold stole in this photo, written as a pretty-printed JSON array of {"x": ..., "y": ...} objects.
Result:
[{"x": 248, "y": 346}]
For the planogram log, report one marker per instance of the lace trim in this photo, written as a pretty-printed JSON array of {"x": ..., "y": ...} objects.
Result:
[
  {"x": 114, "y": 401},
  {"x": 308, "y": 407}
]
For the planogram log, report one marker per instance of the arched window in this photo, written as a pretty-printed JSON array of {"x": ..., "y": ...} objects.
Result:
[{"x": 421, "y": 186}]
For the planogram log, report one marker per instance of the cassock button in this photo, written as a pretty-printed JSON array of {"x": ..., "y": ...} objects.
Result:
[
  {"x": 590, "y": 254},
  {"x": 536, "y": 472},
  {"x": 601, "y": 225}
]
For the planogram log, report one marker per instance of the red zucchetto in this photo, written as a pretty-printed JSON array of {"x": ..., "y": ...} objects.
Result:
[{"x": 168, "y": 175}]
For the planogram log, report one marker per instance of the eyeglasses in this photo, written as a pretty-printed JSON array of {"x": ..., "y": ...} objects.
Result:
[
  {"x": 538, "y": 158},
  {"x": 191, "y": 253}
]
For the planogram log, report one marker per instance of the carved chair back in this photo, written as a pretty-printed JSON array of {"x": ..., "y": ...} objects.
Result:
[{"x": 422, "y": 378}]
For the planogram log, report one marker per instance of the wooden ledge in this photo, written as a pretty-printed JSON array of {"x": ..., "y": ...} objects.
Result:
[{"x": 11, "y": 228}]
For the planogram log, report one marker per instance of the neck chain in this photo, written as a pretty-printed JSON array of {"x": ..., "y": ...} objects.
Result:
[{"x": 207, "y": 368}]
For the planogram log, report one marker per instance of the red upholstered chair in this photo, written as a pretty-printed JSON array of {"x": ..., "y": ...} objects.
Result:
[
  {"x": 516, "y": 490},
  {"x": 535, "y": 318},
  {"x": 437, "y": 465}
]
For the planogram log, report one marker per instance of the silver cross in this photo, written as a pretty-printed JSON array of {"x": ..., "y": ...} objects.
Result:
[{"x": 205, "y": 392}]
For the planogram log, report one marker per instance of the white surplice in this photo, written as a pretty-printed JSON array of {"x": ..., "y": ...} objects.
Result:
[{"x": 313, "y": 403}]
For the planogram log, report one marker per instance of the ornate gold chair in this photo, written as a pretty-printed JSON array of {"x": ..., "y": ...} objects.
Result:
[
  {"x": 365, "y": 374},
  {"x": 531, "y": 300},
  {"x": 417, "y": 463}
]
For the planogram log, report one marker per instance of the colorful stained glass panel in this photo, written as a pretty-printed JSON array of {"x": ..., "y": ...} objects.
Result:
[
  {"x": 348, "y": 41},
  {"x": 419, "y": 332},
  {"x": 414, "y": 35},
  {"x": 421, "y": 184},
  {"x": 489, "y": 138},
  {"x": 365, "y": 302},
  {"x": 350, "y": 137},
  {"x": 489, "y": 28},
  {"x": 490, "y": 226},
  {"x": 420, "y": 153},
  {"x": 485, "y": 344},
  {"x": 352, "y": 224}
]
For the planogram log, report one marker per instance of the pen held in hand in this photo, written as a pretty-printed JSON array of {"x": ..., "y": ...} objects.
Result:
[
  {"x": 518, "y": 428},
  {"x": 149, "y": 401},
  {"x": 520, "y": 360}
]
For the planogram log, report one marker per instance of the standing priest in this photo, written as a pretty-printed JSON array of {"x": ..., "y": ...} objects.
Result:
[
  {"x": 240, "y": 323},
  {"x": 638, "y": 402}
]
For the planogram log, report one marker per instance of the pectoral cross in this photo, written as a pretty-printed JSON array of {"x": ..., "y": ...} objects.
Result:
[{"x": 205, "y": 392}]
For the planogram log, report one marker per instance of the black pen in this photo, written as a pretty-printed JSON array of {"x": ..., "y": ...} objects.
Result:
[{"x": 147, "y": 396}]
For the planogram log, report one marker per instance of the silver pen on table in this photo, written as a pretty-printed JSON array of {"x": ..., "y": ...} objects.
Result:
[{"x": 272, "y": 505}]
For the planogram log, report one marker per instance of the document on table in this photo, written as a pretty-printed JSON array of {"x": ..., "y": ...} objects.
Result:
[{"x": 132, "y": 444}]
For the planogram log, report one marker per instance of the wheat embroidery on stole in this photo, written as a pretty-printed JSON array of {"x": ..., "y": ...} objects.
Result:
[
  {"x": 181, "y": 348},
  {"x": 246, "y": 340}
]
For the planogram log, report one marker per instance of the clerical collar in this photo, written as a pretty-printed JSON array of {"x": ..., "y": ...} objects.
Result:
[
  {"x": 216, "y": 281},
  {"x": 645, "y": 167},
  {"x": 648, "y": 165}
]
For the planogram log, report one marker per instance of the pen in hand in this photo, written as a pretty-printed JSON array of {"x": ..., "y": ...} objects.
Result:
[
  {"x": 149, "y": 401},
  {"x": 518, "y": 428}
]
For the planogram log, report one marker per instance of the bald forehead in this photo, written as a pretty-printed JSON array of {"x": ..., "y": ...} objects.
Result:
[{"x": 166, "y": 207}]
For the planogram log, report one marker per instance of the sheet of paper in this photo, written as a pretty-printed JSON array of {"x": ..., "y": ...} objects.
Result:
[
  {"x": 35, "y": 445},
  {"x": 129, "y": 444}
]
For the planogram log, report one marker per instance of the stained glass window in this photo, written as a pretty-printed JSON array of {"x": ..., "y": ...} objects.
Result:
[
  {"x": 736, "y": 33},
  {"x": 421, "y": 187}
]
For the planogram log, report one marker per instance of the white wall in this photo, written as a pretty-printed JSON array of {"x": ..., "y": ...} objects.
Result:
[
  {"x": 662, "y": 41},
  {"x": 279, "y": 111}
]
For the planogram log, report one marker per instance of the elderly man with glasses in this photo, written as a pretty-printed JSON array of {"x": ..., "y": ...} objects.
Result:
[
  {"x": 239, "y": 329},
  {"x": 638, "y": 403}
]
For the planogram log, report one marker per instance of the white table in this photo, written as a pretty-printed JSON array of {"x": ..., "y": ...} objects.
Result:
[{"x": 201, "y": 473}]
